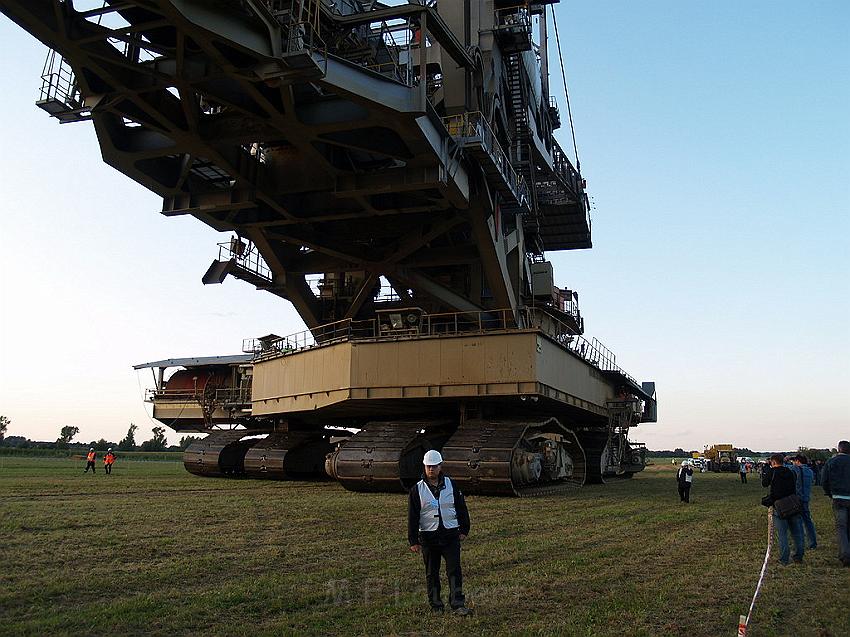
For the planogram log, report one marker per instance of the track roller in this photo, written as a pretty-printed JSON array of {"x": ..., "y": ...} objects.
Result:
[
  {"x": 291, "y": 455},
  {"x": 514, "y": 458},
  {"x": 222, "y": 453},
  {"x": 384, "y": 456}
]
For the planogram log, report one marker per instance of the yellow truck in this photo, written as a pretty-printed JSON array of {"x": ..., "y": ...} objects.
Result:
[{"x": 722, "y": 458}]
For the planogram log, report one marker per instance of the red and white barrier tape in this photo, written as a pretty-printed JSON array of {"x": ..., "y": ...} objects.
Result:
[{"x": 744, "y": 622}]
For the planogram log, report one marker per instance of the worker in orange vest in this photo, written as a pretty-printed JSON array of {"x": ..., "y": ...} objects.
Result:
[
  {"x": 90, "y": 458},
  {"x": 108, "y": 461}
]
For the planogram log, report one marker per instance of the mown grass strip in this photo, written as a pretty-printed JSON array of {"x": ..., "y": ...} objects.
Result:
[{"x": 154, "y": 550}]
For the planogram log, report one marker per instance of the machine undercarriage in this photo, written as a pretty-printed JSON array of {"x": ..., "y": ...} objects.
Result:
[{"x": 510, "y": 421}]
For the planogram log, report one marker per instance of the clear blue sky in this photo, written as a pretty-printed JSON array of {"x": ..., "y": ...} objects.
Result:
[{"x": 715, "y": 140}]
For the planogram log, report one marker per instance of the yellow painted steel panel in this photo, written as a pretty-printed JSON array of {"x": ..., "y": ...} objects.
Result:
[
  {"x": 570, "y": 375},
  {"x": 318, "y": 370},
  {"x": 478, "y": 365}
]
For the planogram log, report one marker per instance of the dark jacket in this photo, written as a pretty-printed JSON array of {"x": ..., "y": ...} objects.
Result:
[
  {"x": 835, "y": 475},
  {"x": 682, "y": 474},
  {"x": 442, "y": 534},
  {"x": 804, "y": 478},
  {"x": 781, "y": 481}
]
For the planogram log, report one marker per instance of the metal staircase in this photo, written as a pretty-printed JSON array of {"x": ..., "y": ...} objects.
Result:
[{"x": 521, "y": 147}]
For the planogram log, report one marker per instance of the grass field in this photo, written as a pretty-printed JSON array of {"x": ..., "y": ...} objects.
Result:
[{"x": 152, "y": 549}]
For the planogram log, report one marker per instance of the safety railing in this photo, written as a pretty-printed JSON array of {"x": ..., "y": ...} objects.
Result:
[
  {"x": 513, "y": 27},
  {"x": 393, "y": 38},
  {"x": 552, "y": 191},
  {"x": 303, "y": 38},
  {"x": 473, "y": 128},
  {"x": 60, "y": 95},
  {"x": 387, "y": 294},
  {"x": 564, "y": 168},
  {"x": 336, "y": 332},
  {"x": 246, "y": 255},
  {"x": 591, "y": 351},
  {"x": 563, "y": 301},
  {"x": 514, "y": 17},
  {"x": 453, "y": 323},
  {"x": 221, "y": 395},
  {"x": 554, "y": 112},
  {"x": 58, "y": 81}
]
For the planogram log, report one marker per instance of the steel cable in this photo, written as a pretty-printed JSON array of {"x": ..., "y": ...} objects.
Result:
[{"x": 566, "y": 90}]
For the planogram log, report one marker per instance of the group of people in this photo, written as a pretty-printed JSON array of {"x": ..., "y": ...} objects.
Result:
[
  {"x": 796, "y": 479},
  {"x": 108, "y": 461}
]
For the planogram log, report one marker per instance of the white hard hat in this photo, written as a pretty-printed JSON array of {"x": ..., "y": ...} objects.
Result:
[
  {"x": 91, "y": 448},
  {"x": 432, "y": 458},
  {"x": 110, "y": 449},
  {"x": 684, "y": 463}
]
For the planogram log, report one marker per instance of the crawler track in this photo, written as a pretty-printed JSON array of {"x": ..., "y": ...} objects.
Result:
[{"x": 501, "y": 458}]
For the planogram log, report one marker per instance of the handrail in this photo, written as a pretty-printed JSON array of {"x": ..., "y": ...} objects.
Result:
[
  {"x": 246, "y": 256},
  {"x": 514, "y": 16},
  {"x": 592, "y": 351},
  {"x": 219, "y": 395},
  {"x": 473, "y": 125}
]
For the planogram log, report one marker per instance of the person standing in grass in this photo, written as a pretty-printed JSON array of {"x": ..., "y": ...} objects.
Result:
[
  {"x": 781, "y": 481},
  {"x": 685, "y": 477},
  {"x": 804, "y": 479},
  {"x": 742, "y": 469},
  {"x": 90, "y": 458},
  {"x": 835, "y": 479},
  {"x": 437, "y": 522},
  {"x": 108, "y": 461}
]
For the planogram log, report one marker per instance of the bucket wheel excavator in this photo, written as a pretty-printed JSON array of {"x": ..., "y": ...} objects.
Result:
[{"x": 392, "y": 170}]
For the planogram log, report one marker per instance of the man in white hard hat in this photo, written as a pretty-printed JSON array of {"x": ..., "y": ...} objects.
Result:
[{"x": 437, "y": 522}]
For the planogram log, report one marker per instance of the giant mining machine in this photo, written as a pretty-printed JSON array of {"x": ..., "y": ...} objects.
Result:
[{"x": 390, "y": 169}]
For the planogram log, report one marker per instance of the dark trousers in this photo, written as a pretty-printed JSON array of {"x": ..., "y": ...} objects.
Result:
[
  {"x": 794, "y": 526},
  {"x": 685, "y": 491},
  {"x": 809, "y": 526},
  {"x": 432, "y": 553},
  {"x": 743, "y": 477},
  {"x": 841, "y": 511},
  {"x": 89, "y": 464},
  {"x": 107, "y": 468}
]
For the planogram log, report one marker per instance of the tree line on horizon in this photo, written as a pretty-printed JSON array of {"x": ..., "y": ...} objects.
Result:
[
  {"x": 67, "y": 434},
  {"x": 811, "y": 453}
]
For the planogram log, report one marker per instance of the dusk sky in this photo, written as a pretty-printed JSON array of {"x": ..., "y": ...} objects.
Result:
[{"x": 715, "y": 140}]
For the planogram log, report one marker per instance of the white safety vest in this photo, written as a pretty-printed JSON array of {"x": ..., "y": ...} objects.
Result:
[{"x": 432, "y": 510}]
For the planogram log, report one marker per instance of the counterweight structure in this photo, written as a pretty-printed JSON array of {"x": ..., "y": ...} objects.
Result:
[{"x": 391, "y": 170}]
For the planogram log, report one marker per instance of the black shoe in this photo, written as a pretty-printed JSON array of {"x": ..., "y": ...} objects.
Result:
[{"x": 462, "y": 611}]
